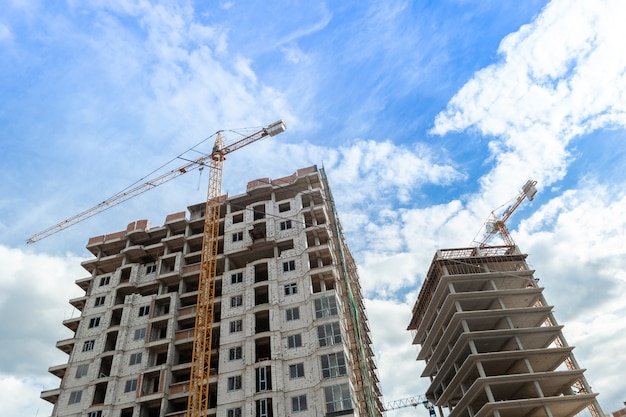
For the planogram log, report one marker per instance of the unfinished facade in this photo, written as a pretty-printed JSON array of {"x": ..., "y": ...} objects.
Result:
[
  {"x": 490, "y": 341},
  {"x": 290, "y": 334}
]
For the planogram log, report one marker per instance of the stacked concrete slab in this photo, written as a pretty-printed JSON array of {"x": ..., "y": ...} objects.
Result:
[{"x": 491, "y": 344}]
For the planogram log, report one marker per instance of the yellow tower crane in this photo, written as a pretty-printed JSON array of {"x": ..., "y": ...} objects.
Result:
[
  {"x": 495, "y": 225},
  {"x": 198, "y": 401}
]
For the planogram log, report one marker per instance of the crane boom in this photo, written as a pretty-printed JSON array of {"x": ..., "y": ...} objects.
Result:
[
  {"x": 495, "y": 225},
  {"x": 270, "y": 130},
  {"x": 411, "y": 402}
]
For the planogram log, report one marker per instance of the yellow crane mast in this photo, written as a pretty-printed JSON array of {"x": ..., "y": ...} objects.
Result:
[
  {"x": 198, "y": 401},
  {"x": 201, "y": 357}
]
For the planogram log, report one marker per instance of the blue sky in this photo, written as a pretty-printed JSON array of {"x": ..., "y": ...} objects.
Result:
[{"x": 426, "y": 116}]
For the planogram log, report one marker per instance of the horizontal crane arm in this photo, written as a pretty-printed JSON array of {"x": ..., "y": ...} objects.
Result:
[
  {"x": 119, "y": 198},
  {"x": 498, "y": 226},
  {"x": 271, "y": 130}
]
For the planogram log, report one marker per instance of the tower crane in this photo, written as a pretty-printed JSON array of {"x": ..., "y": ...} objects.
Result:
[
  {"x": 271, "y": 130},
  {"x": 198, "y": 400},
  {"x": 495, "y": 225},
  {"x": 411, "y": 402}
]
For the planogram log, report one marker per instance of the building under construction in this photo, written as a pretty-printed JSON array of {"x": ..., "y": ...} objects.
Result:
[
  {"x": 491, "y": 344},
  {"x": 290, "y": 333}
]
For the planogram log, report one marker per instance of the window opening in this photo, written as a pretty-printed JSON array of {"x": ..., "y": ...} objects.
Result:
[
  {"x": 293, "y": 313},
  {"x": 296, "y": 371},
  {"x": 329, "y": 334},
  {"x": 294, "y": 341},
  {"x": 236, "y": 301},
  {"x": 236, "y": 326},
  {"x": 337, "y": 398},
  {"x": 298, "y": 403},
  {"x": 140, "y": 333},
  {"x": 135, "y": 359},
  {"x": 234, "y": 353},
  {"x": 82, "y": 370},
  {"x": 234, "y": 383},
  {"x": 75, "y": 397},
  {"x": 333, "y": 365},
  {"x": 289, "y": 266},
  {"x": 326, "y": 307},
  {"x": 236, "y": 278},
  {"x": 130, "y": 385}
]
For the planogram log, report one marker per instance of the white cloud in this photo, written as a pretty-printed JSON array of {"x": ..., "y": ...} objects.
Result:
[
  {"x": 558, "y": 77},
  {"x": 36, "y": 289},
  {"x": 398, "y": 370},
  {"x": 20, "y": 396}
]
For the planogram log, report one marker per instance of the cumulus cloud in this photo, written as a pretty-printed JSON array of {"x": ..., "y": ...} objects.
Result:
[
  {"x": 35, "y": 289},
  {"x": 556, "y": 78},
  {"x": 395, "y": 355}
]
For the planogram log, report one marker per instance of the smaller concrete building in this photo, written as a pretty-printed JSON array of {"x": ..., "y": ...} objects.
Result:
[{"x": 490, "y": 341}]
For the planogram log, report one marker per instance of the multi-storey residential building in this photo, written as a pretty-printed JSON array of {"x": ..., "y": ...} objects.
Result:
[
  {"x": 490, "y": 341},
  {"x": 290, "y": 334}
]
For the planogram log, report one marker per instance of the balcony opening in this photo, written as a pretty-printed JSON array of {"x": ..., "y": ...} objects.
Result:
[
  {"x": 215, "y": 367},
  {"x": 263, "y": 349},
  {"x": 259, "y": 212},
  {"x": 215, "y": 338},
  {"x": 111, "y": 341},
  {"x": 321, "y": 283},
  {"x": 263, "y": 378},
  {"x": 261, "y": 272},
  {"x": 150, "y": 383},
  {"x": 184, "y": 356},
  {"x": 100, "y": 393},
  {"x": 262, "y": 321},
  {"x": 105, "y": 367},
  {"x": 264, "y": 408},
  {"x": 126, "y": 412},
  {"x": 175, "y": 407},
  {"x": 284, "y": 207},
  {"x": 168, "y": 265},
  {"x": 125, "y": 275},
  {"x": 161, "y": 358},
  {"x": 284, "y": 246},
  {"x": 190, "y": 285},
  {"x": 150, "y": 411},
  {"x": 116, "y": 317},
  {"x": 261, "y": 295},
  {"x": 158, "y": 332}
]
